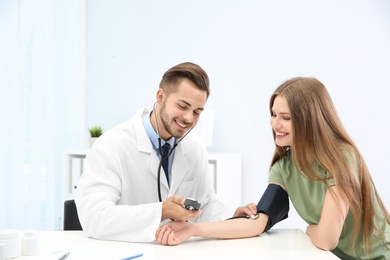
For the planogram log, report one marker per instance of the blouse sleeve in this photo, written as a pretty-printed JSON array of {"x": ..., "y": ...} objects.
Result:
[{"x": 275, "y": 174}]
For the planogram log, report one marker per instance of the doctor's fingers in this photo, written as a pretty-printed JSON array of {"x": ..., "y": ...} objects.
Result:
[
  {"x": 249, "y": 209},
  {"x": 170, "y": 209},
  {"x": 185, "y": 214},
  {"x": 176, "y": 199},
  {"x": 252, "y": 207}
]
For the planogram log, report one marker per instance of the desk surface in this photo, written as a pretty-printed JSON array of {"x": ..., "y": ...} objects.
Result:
[{"x": 275, "y": 244}]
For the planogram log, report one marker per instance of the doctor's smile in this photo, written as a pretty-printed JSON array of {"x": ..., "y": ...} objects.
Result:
[{"x": 181, "y": 125}]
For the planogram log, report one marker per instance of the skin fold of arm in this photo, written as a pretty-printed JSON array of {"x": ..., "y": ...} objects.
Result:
[{"x": 326, "y": 234}]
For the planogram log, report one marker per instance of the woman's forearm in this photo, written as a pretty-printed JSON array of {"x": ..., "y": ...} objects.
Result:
[{"x": 233, "y": 228}]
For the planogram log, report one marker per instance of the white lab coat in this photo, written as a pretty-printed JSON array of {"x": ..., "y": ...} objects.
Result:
[{"x": 117, "y": 195}]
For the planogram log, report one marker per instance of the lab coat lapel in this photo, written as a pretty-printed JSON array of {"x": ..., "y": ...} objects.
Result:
[
  {"x": 145, "y": 146},
  {"x": 180, "y": 169},
  {"x": 154, "y": 162}
]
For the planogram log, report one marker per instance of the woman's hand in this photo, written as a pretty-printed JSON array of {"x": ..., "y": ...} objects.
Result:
[
  {"x": 174, "y": 233},
  {"x": 249, "y": 209}
]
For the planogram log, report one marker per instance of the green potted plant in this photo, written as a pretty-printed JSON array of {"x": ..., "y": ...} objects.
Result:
[{"x": 95, "y": 132}]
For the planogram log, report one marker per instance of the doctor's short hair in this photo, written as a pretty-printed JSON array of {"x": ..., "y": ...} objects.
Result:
[{"x": 185, "y": 70}]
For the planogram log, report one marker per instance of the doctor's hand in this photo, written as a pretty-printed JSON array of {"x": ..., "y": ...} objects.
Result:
[
  {"x": 249, "y": 209},
  {"x": 173, "y": 208},
  {"x": 174, "y": 232}
]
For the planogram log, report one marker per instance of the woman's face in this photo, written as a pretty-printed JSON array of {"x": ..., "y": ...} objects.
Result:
[{"x": 281, "y": 122}]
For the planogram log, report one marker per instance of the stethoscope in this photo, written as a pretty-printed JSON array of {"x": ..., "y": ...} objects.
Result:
[{"x": 164, "y": 156}]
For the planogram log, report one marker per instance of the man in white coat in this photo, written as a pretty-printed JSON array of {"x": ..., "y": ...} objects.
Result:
[{"x": 118, "y": 195}]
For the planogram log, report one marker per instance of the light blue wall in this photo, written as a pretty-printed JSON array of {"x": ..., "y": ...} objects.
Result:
[{"x": 248, "y": 48}]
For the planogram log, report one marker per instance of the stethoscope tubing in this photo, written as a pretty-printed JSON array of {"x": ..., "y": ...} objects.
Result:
[{"x": 161, "y": 153}]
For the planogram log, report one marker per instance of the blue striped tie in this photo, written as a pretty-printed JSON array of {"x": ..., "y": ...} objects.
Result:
[{"x": 165, "y": 163}]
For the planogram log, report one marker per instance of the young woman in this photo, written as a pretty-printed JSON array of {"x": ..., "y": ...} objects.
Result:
[{"x": 316, "y": 165}]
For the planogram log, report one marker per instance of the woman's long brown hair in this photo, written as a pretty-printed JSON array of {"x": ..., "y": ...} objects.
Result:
[{"x": 320, "y": 137}]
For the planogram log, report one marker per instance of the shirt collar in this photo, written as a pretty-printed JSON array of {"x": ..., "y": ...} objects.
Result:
[{"x": 153, "y": 136}]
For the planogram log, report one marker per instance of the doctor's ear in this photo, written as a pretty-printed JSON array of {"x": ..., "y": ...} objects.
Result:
[{"x": 160, "y": 95}]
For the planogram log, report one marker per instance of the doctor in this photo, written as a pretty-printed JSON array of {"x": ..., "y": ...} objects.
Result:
[{"x": 118, "y": 192}]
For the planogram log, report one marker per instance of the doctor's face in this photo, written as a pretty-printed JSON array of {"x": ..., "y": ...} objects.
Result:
[{"x": 181, "y": 110}]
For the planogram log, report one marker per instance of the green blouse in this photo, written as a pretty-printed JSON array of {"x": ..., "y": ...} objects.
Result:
[{"x": 307, "y": 196}]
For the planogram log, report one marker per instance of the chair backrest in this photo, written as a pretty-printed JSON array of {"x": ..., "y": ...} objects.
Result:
[{"x": 71, "y": 218}]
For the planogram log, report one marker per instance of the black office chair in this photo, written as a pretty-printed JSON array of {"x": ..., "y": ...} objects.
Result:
[{"x": 71, "y": 218}]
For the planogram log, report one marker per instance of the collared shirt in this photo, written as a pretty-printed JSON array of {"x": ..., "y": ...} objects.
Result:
[{"x": 153, "y": 136}]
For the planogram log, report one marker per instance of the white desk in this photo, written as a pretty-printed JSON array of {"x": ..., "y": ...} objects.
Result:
[{"x": 276, "y": 244}]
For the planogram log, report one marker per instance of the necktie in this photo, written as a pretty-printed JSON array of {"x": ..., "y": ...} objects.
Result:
[{"x": 165, "y": 163}]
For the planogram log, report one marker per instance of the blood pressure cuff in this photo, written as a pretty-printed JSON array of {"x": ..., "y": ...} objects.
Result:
[{"x": 275, "y": 204}]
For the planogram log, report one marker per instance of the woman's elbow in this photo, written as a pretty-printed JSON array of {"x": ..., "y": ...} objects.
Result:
[{"x": 326, "y": 244}]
